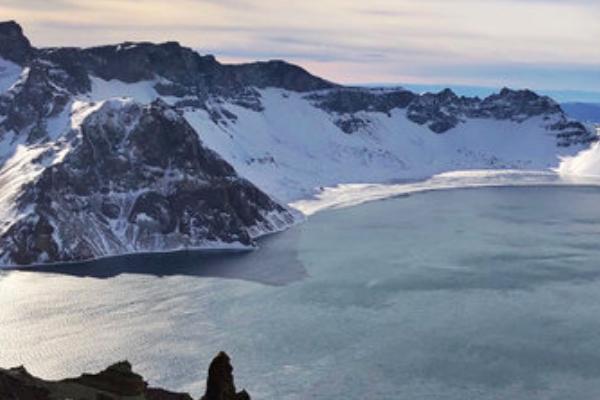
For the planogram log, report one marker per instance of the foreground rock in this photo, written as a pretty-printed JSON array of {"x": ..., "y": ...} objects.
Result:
[
  {"x": 219, "y": 385},
  {"x": 117, "y": 382}
]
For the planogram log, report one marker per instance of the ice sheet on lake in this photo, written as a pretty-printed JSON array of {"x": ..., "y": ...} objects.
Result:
[{"x": 354, "y": 194}]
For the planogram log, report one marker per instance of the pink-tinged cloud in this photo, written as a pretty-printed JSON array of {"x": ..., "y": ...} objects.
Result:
[{"x": 491, "y": 42}]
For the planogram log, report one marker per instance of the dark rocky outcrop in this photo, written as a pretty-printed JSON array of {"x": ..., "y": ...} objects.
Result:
[
  {"x": 118, "y": 379},
  {"x": 133, "y": 62},
  {"x": 39, "y": 95},
  {"x": 14, "y": 46},
  {"x": 137, "y": 179},
  {"x": 183, "y": 71},
  {"x": 275, "y": 73},
  {"x": 445, "y": 110},
  {"x": 18, "y": 384},
  {"x": 353, "y": 100},
  {"x": 117, "y": 382},
  {"x": 187, "y": 70},
  {"x": 219, "y": 384}
]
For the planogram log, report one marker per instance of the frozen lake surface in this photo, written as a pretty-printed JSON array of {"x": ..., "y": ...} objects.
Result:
[{"x": 488, "y": 293}]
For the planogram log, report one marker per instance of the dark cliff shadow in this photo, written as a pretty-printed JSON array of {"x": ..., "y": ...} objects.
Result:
[{"x": 274, "y": 263}]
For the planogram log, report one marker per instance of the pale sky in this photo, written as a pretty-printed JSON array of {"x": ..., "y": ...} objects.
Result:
[{"x": 541, "y": 44}]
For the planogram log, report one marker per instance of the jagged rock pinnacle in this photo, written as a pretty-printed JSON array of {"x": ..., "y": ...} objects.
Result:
[
  {"x": 219, "y": 384},
  {"x": 14, "y": 46}
]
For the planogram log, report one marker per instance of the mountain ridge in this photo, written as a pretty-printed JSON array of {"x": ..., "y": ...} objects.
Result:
[
  {"x": 188, "y": 72},
  {"x": 268, "y": 132}
]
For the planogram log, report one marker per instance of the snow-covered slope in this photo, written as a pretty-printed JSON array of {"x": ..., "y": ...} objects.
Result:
[
  {"x": 292, "y": 148},
  {"x": 152, "y": 147},
  {"x": 119, "y": 177},
  {"x": 291, "y": 145},
  {"x": 9, "y": 74}
]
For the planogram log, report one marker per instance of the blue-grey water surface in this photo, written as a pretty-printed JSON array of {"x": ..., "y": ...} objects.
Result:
[{"x": 467, "y": 294}]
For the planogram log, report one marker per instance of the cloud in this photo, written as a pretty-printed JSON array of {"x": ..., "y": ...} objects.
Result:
[{"x": 349, "y": 40}]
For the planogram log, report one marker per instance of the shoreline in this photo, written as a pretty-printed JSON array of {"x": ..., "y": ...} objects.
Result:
[
  {"x": 211, "y": 248},
  {"x": 349, "y": 195},
  {"x": 354, "y": 194}
]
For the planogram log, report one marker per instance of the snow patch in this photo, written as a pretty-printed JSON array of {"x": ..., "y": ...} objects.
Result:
[
  {"x": 142, "y": 92},
  {"x": 9, "y": 74},
  {"x": 80, "y": 110}
]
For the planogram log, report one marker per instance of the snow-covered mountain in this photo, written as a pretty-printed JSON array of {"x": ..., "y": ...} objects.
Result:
[
  {"x": 153, "y": 147},
  {"x": 85, "y": 179}
]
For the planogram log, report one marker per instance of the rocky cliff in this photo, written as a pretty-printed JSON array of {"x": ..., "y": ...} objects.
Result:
[
  {"x": 112, "y": 177},
  {"x": 134, "y": 179},
  {"x": 117, "y": 382}
]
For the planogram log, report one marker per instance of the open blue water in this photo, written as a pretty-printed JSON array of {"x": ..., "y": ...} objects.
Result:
[{"x": 483, "y": 293}]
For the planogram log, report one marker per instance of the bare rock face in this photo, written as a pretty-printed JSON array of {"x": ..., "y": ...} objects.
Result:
[
  {"x": 39, "y": 95},
  {"x": 136, "y": 179},
  {"x": 219, "y": 384},
  {"x": 114, "y": 383},
  {"x": 443, "y": 111},
  {"x": 18, "y": 384},
  {"x": 14, "y": 46},
  {"x": 117, "y": 382},
  {"x": 118, "y": 379}
]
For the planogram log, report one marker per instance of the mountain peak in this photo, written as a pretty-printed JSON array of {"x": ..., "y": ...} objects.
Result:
[
  {"x": 10, "y": 26},
  {"x": 526, "y": 99},
  {"x": 14, "y": 46},
  {"x": 447, "y": 94},
  {"x": 279, "y": 73}
]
